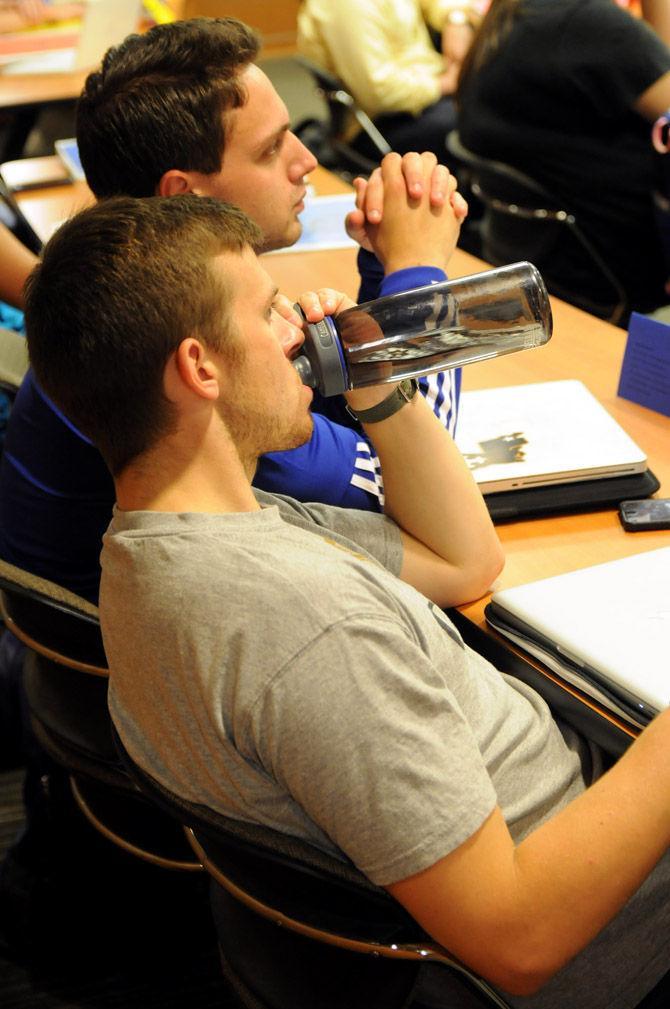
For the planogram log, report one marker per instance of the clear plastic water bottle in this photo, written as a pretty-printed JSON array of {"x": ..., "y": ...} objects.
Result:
[{"x": 427, "y": 330}]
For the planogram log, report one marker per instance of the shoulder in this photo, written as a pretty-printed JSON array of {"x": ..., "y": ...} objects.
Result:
[
  {"x": 50, "y": 451},
  {"x": 611, "y": 56},
  {"x": 597, "y": 24},
  {"x": 372, "y": 532}
]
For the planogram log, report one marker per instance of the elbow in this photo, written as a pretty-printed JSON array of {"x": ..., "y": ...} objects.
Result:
[
  {"x": 520, "y": 979},
  {"x": 519, "y": 972},
  {"x": 478, "y": 577},
  {"x": 524, "y": 959},
  {"x": 516, "y": 983},
  {"x": 492, "y": 566}
]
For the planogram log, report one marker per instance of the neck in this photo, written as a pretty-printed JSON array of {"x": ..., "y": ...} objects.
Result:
[{"x": 189, "y": 471}]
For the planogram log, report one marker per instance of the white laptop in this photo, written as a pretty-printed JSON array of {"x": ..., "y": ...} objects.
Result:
[
  {"x": 541, "y": 434},
  {"x": 105, "y": 23},
  {"x": 604, "y": 628}
]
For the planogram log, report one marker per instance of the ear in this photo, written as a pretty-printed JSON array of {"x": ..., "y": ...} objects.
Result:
[
  {"x": 192, "y": 368},
  {"x": 176, "y": 183}
]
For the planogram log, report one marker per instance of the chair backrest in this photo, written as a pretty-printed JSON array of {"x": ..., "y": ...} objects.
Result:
[
  {"x": 51, "y": 620},
  {"x": 302, "y": 888},
  {"x": 279, "y": 849},
  {"x": 343, "y": 110},
  {"x": 523, "y": 220},
  {"x": 65, "y": 679}
]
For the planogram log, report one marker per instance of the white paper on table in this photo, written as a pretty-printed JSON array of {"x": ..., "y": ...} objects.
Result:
[{"x": 323, "y": 224}]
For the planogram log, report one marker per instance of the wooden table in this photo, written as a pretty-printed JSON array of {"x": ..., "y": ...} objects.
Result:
[
  {"x": 20, "y": 90},
  {"x": 43, "y": 209},
  {"x": 24, "y": 96},
  {"x": 582, "y": 347}
]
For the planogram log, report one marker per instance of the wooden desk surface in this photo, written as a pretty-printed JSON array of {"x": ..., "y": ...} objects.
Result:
[
  {"x": 590, "y": 350},
  {"x": 44, "y": 208},
  {"x": 582, "y": 347},
  {"x": 19, "y": 90}
]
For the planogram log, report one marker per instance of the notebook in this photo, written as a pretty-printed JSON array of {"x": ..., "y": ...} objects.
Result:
[
  {"x": 605, "y": 629},
  {"x": 322, "y": 223},
  {"x": 548, "y": 446}
]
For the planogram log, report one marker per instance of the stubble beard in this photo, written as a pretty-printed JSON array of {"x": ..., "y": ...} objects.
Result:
[
  {"x": 289, "y": 236},
  {"x": 255, "y": 431},
  {"x": 255, "y": 434}
]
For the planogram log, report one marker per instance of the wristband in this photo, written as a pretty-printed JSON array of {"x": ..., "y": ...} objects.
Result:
[{"x": 400, "y": 396}]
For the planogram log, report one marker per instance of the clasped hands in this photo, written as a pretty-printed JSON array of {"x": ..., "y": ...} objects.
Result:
[
  {"x": 409, "y": 202},
  {"x": 409, "y": 213}
]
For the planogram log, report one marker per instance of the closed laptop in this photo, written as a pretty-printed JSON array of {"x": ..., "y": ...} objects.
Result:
[{"x": 606, "y": 628}]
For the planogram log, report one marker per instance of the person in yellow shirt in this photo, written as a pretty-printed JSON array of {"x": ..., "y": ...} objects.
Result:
[{"x": 383, "y": 52}]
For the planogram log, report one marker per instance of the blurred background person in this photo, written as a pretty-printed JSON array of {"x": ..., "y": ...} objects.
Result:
[
  {"x": 565, "y": 91},
  {"x": 385, "y": 53},
  {"x": 31, "y": 131},
  {"x": 16, "y": 15}
]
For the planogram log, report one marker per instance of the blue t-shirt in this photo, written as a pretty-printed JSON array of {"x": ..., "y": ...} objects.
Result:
[{"x": 56, "y": 493}]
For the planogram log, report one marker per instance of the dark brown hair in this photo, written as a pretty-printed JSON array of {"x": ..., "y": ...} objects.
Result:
[
  {"x": 118, "y": 288},
  {"x": 159, "y": 102},
  {"x": 494, "y": 29}
]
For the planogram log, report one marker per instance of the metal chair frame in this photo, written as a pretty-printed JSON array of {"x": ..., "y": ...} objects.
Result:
[
  {"x": 258, "y": 857},
  {"x": 342, "y": 108},
  {"x": 532, "y": 202},
  {"x": 62, "y": 634}
]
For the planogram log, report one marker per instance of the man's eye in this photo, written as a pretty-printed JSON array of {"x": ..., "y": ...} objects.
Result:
[{"x": 275, "y": 147}]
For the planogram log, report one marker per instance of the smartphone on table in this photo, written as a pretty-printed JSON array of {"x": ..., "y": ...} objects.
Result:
[{"x": 647, "y": 513}]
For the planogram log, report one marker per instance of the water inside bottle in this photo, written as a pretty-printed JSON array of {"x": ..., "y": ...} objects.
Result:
[{"x": 390, "y": 340}]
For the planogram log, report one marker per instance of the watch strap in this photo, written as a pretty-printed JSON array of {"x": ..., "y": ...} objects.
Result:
[{"x": 395, "y": 401}]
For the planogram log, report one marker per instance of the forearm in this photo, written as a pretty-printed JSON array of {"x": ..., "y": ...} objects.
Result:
[
  {"x": 538, "y": 904},
  {"x": 452, "y": 552},
  {"x": 599, "y": 849},
  {"x": 17, "y": 262},
  {"x": 657, "y": 13}
]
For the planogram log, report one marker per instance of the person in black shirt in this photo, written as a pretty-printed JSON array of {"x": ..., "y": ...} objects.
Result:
[{"x": 565, "y": 91}]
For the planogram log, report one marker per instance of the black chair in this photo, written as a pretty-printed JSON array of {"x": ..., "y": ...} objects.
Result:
[
  {"x": 65, "y": 680},
  {"x": 295, "y": 924},
  {"x": 522, "y": 220},
  {"x": 335, "y": 150}
]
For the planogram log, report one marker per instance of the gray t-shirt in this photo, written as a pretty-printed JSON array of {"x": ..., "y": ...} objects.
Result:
[
  {"x": 272, "y": 666},
  {"x": 283, "y": 674}
]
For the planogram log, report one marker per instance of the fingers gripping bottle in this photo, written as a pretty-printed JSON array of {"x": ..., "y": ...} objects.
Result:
[{"x": 427, "y": 330}]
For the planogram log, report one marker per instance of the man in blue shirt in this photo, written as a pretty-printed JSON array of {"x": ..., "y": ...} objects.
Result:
[{"x": 185, "y": 109}]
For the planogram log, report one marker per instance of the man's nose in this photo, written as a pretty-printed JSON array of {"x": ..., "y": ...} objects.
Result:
[{"x": 302, "y": 161}]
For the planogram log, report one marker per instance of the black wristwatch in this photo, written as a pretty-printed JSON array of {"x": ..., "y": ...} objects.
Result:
[{"x": 400, "y": 396}]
